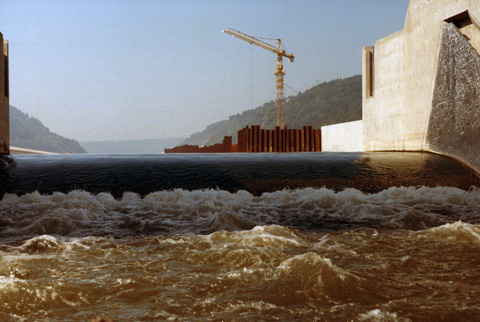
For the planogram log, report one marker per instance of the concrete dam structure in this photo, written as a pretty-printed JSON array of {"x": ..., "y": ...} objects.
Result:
[
  {"x": 421, "y": 87},
  {"x": 421, "y": 92}
]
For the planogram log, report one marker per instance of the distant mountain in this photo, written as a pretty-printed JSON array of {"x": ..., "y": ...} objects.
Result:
[
  {"x": 29, "y": 133},
  {"x": 149, "y": 146},
  {"x": 331, "y": 102}
]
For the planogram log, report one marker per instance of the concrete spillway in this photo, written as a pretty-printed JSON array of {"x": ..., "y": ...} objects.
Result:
[{"x": 255, "y": 173}]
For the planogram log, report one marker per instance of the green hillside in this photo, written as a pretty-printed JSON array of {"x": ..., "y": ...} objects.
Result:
[
  {"x": 29, "y": 133},
  {"x": 331, "y": 102}
]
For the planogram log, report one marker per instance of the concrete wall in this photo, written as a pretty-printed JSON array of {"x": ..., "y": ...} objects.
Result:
[
  {"x": 343, "y": 137},
  {"x": 383, "y": 112},
  {"x": 454, "y": 125},
  {"x": 17, "y": 150},
  {"x": 4, "y": 98}
]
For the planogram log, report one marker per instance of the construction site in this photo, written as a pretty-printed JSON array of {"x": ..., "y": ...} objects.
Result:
[{"x": 252, "y": 138}]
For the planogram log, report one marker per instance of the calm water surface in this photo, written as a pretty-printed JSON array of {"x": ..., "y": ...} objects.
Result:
[{"x": 286, "y": 237}]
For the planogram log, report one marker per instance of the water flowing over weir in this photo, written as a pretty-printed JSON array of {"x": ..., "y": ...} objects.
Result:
[
  {"x": 221, "y": 238},
  {"x": 255, "y": 173}
]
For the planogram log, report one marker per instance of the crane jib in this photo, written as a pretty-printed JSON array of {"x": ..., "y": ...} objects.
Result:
[{"x": 254, "y": 41}]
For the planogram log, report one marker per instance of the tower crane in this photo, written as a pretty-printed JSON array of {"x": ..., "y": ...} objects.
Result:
[{"x": 279, "y": 73}]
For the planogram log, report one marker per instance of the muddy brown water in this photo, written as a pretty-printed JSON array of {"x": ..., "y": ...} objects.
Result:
[{"x": 300, "y": 237}]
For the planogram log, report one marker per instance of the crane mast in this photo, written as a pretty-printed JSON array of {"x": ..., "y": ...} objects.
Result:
[{"x": 279, "y": 73}]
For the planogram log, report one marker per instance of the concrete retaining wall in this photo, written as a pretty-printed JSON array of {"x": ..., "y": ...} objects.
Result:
[{"x": 343, "y": 137}]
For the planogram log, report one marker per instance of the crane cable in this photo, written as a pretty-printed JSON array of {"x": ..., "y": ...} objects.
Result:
[
  {"x": 290, "y": 88},
  {"x": 251, "y": 76},
  {"x": 266, "y": 38}
]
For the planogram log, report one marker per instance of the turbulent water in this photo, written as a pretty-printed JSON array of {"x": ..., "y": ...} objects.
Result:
[{"x": 188, "y": 253}]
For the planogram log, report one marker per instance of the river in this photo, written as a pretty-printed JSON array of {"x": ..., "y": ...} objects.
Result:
[{"x": 240, "y": 237}]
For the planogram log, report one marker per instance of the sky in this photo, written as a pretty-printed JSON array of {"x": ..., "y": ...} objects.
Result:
[{"x": 97, "y": 70}]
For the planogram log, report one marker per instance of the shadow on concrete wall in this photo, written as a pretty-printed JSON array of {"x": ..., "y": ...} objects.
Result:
[{"x": 454, "y": 127}]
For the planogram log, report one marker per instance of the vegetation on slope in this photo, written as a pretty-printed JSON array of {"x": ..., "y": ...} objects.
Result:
[
  {"x": 331, "y": 102},
  {"x": 29, "y": 133}
]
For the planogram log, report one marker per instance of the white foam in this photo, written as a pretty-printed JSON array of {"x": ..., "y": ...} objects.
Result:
[
  {"x": 323, "y": 267},
  {"x": 456, "y": 232},
  {"x": 381, "y": 316},
  {"x": 259, "y": 236},
  {"x": 41, "y": 244},
  {"x": 80, "y": 213},
  {"x": 10, "y": 283}
]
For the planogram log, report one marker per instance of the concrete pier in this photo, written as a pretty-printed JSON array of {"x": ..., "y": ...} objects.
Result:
[{"x": 4, "y": 98}]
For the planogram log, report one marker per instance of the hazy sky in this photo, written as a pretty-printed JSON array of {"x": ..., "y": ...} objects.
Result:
[{"x": 135, "y": 69}]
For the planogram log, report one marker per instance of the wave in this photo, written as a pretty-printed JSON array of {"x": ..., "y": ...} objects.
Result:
[
  {"x": 273, "y": 270},
  {"x": 81, "y": 213},
  {"x": 454, "y": 232}
]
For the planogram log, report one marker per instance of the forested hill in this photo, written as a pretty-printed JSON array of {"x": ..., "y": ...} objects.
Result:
[
  {"x": 29, "y": 133},
  {"x": 331, "y": 102}
]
